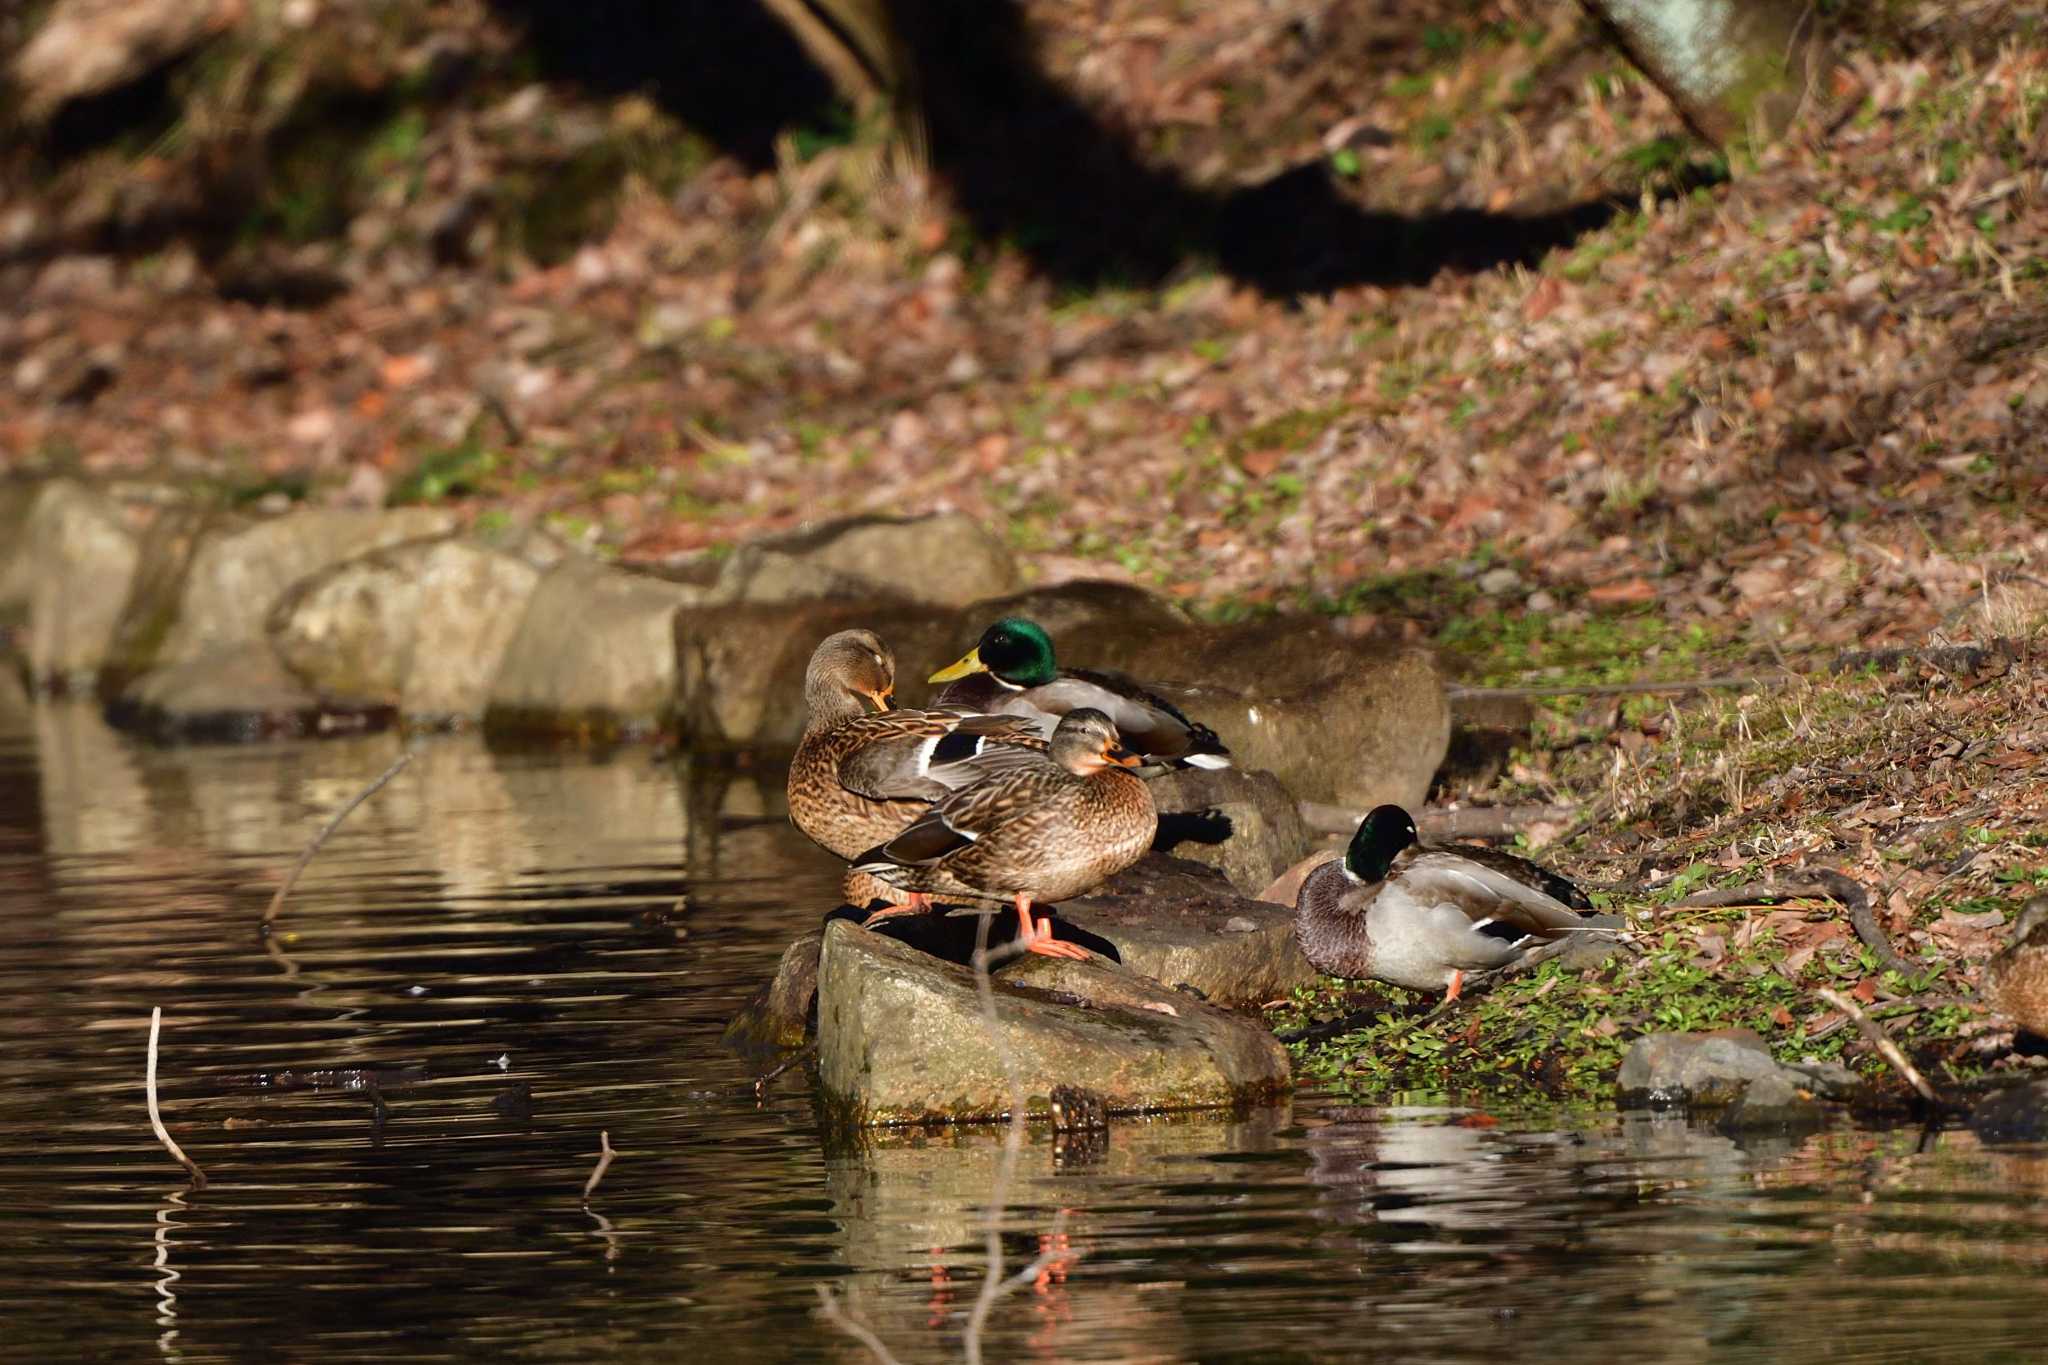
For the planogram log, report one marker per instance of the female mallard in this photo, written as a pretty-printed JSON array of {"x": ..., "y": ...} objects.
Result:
[
  {"x": 1010, "y": 671},
  {"x": 1394, "y": 911},
  {"x": 1038, "y": 827},
  {"x": 861, "y": 775},
  {"x": 2015, "y": 982}
]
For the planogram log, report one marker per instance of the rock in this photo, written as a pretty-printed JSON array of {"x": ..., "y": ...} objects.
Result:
[
  {"x": 1172, "y": 921},
  {"x": 594, "y": 655},
  {"x": 1711, "y": 1069},
  {"x": 901, "y": 1038},
  {"x": 17, "y": 500},
  {"x": 1336, "y": 720},
  {"x": 1485, "y": 732},
  {"x": 946, "y": 559},
  {"x": 152, "y": 606},
  {"x": 1773, "y": 1104},
  {"x": 777, "y": 1017},
  {"x": 79, "y": 562},
  {"x": 231, "y": 694},
  {"x": 421, "y": 626},
  {"x": 1066, "y": 608},
  {"x": 1243, "y": 823},
  {"x": 2018, "y": 1113},
  {"x": 237, "y": 574}
]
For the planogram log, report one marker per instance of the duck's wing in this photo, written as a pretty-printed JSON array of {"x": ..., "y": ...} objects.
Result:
[
  {"x": 1529, "y": 874},
  {"x": 1148, "y": 723},
  {"x": 922, "y": 755},
  {"x": 961, "y": 819},
  {"x": 1493, "y": 900}
]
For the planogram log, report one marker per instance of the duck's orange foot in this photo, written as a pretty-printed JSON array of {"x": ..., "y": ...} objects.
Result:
[
  {"x": 918, "y": 904},
  {"x": 1037, "y": 938}
]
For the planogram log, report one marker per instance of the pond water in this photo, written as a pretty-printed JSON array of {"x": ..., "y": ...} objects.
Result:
[{"x": 526, "y": 950}]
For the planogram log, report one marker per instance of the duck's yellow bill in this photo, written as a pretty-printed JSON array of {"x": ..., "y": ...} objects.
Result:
[{"x": 970, "y": 664}]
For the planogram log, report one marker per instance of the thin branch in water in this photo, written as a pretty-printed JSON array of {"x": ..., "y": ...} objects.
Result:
[
  {"x": 604, "y": 1163},
  {"x": 156, "y": 1118},
  {"x": 1882, "y": 1041},
  {"x": 767, "y": 1078},
  {"x": 830, "y": 1309},
  {"x": 292, "y": 878}
]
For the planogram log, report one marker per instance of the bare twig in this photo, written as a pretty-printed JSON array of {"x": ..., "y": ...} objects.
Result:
[
  {"x": 604, "y": 1163},
  {"x": 291, "y": 878},
  {"x": 1821, "y": 883},
  {"x": 1882, "y": 1041},
  {"x": 828, "y": 1305},
  {"x": 767, "y": 1078},
  {"x": 156, "y": 1118},
  {"x": 1624, "y": 689}
]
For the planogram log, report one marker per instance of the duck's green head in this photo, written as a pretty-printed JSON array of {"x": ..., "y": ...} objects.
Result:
[
  {"x": 1016, "y": 650},
  {"x": 1382, "y": 834}
]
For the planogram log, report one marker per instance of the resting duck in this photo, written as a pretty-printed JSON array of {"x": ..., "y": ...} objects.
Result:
[
  {"x": 1010, "y": 671},
  {"x": 860, "y": 775},
  {"x": 2015, "y": 982},
  {"x": 1392, "y": 910},
  {"x": 1036, "y": 828}
]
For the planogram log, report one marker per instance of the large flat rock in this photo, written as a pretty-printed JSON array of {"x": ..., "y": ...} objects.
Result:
[
  {"x": 1182, "y": 924},
  {"x": 1242, "y": 822},
  {"x": 945, "y": 559},
  {"x": 902, "y": 1038}
]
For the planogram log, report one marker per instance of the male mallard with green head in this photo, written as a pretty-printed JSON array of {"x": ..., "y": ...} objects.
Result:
[
  {"x": 1036, "y": 828},
  {"x": 1392, "y": 910},
  {"x": 2015, "y": 983},
  {"x": 863, "y": 770},
  {"x": 1011, "y": 671}
]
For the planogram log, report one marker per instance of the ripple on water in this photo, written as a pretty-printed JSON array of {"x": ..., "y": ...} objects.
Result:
[{"x": 397, "y": 1098}]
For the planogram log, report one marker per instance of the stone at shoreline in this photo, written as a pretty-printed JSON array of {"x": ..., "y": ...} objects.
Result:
[
  {"x": 594, "y": 655},
  {"x": 1337, "y": 720},
  {"x": 777, "y": 1017},
  {"x": 233, "y": 693},
  {"x": 237, "y": 574},
  {"x": 421, "y": 626},
  {"x": 1713, "y": 1069},
  {"x": 1182, "y": 924},
  {"x": 78, "y": 558},
  {"x": 902, "y": 1038},
  {"x": 2017, "y": 1113},
  {"x": 1243, "y": 823},
  {"x": 168, "y": 544},
  {"x": 946, "y": 559},
  {"x": 17, "y": 500}
]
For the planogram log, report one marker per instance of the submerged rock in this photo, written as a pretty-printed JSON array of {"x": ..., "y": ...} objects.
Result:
[
  {"x": 593, "y": 655},
  {"x": 902, "y": 1038},
  {"x": 778, "y": 1015},
  {"x": 1243, "y": 823},
  {"x": 232, "y": 694},
  {"x": 1713, "y": 1069},
  {"x": 78, "y": 559},
  {"x": 421, "y": 626},
  {"x": 2018, "y": 1113}
]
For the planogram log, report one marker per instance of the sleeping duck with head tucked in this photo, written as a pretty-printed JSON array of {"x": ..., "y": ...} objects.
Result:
[{"x": 1395, "y": 910}]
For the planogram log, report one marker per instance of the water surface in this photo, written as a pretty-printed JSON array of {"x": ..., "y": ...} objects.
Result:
[{"x": 521, "y": 951}]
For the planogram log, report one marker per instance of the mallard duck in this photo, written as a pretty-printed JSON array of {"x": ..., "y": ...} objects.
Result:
[
  {"x": 860, "y": 775},
  {"x": 2016, "y": 981},
  {"x": 1036, "y": 828},
  {"x": 1393, "y": 910},
  {"x": 1011, "y": 671}
]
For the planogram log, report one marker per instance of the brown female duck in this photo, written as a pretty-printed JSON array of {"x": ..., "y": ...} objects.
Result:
[{"x": 1035, "y": 828}]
